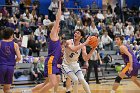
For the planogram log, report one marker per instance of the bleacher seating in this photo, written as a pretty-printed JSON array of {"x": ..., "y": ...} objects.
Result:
[{"x": 22, "y": 70}]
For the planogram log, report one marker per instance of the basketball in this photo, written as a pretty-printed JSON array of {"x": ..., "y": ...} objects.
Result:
[{"x": 93, "y": 42}]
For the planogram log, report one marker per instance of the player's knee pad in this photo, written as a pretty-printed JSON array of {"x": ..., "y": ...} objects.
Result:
[{"x": 118, "y": 79}]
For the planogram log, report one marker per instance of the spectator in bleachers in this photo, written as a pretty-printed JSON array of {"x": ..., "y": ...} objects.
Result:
[
  {"x": 79, "y": 25},
  {"x": 110, "y": 30},
  {"x": 41, "y": 65},
  {"x": 119, "y": 24},
  {"x": 42, "y": 40},
  {"x": 128, "y": 42},
  {"x": 129, "y": 30},
  {"x": 109, "y": 17},
  {"x": 131, "y": 47},
  {"x": 34, "y": 46},
  {"x": 0, "y": 16},
  {"x": 86, "y": 29},
  {"x": 27, "y": 29},
  {"x": 100, "y": 45},
  {"x": 10, "y": 24},
  {"x": 21, "y": 20},
  {"x": 33, "y": 25},
  {"x": 46, "y": 21},
  {"x": 66, "y": 14},
  {"x": 17, "y": 36},
  {"x": 36, "y": 6},
  {"x": 38, "y": 32},
  {"x": 132, "y": 38},
  {"x": 17, "y": 13},
  {"x": 109, "y": 8},
  {"x": 87, "y": 14},
  {"x": 39, "y": 21},
  {"x": 27, "y": 16},
  {"x": 14, "y": 3},
  {"x": 71, "y": 22},
  {"x": 53, "y": 9},
  {"x": 3, "y": 21},
  {"x": 107, "y": 41},
  {"x": 31, "y": 45},
  {"x": 73, "y": 15},
  {"x": 93, "y": 29},
  {"x": 24, "y": 51},
  {"x": 4, "y": 11},
  {"x": 45, "y": 31},
  {"x": 14, "y": 20},
  {"x": 117, "y": 10},
  {"x": 118, "y": 30},
  {"x": 86, "y": 19},
  {"x": 34, "y": 11},
  {"x": 135, "y": 46},
  {"x": 22, "y": 6},
  {"x": 35, "y": 72},
  {"x": 137, "y": 51},
  {"x": 100, "y": 16},
  {"x": 137, "y": 36},
  {"x": 9, "y": 2}
]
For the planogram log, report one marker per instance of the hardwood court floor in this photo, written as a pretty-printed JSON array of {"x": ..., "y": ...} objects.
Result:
[{"x": 125, "y": 87}]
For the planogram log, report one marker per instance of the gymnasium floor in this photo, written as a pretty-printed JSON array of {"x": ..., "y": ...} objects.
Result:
[{"x": 126, "y": 87}]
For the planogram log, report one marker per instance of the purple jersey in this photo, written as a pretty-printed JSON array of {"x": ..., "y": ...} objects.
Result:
[
  {"x": 126, "y": 58},
  {"x": 54, "y": 49},
  {"x": 54, "y": 54},
  {"x": 136, "y": 64},
  {"x": 7, "y": 53}
]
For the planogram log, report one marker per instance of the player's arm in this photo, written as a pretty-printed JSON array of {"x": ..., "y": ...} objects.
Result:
[
  {"x": 17, "y": 52},
  {"x": 54, "y": 31},
  {"x": 99, "y": 58},
  {"x": 124, "y": 50},
  {"x": 76, "y": 48},
  {"x": 86, "y": 56}
]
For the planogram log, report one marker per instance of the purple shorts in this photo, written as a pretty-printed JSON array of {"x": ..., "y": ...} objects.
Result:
[
  {"x": 134, "y": 72},
  {"x": 51, "y": 66},
  {"x": 6, "y": 74}
]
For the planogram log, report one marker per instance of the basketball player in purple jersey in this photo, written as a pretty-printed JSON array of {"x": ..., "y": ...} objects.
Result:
[
  {"x": 8, "y": 51},
  {"x": 132, "y": 65},
  {"x": 54, "y": 53}
]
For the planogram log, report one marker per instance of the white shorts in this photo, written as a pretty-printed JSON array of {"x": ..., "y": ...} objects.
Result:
[{"x": 71, "y": 67}]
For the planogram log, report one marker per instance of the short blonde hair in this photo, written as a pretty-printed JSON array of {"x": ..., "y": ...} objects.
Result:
[
  {"x": 50, "y": 26},
  {"x": 35, "y": 60}
]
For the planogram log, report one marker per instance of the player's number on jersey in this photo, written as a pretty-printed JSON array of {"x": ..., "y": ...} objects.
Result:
[
  {"x": 71, "y": 55},
  {"x": 7, "y": 50}
]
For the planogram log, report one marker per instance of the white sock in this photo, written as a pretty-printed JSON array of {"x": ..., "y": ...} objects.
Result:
[{"x": 112, "y": 91}]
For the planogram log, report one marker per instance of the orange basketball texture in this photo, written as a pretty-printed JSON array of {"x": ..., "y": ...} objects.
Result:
[{"x": 93, "y": 42}]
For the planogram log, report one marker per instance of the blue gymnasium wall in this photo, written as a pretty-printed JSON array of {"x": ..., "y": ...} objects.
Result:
[
  {"x": 131, "y": 3},
  {"x": 44, "y": 4}
]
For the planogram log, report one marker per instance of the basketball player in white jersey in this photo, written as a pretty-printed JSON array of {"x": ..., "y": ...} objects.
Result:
[{"x": 70, "y": 65}]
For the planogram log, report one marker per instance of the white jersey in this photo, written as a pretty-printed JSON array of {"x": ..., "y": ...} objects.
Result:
[{"x": 70, "y": 56}]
